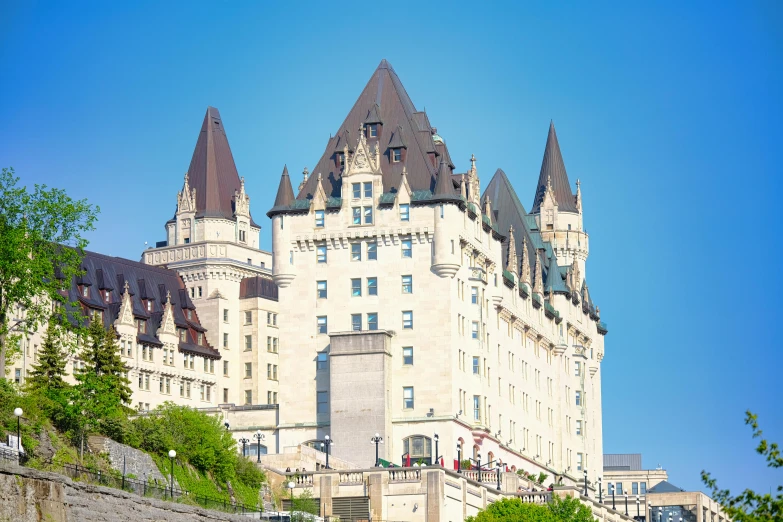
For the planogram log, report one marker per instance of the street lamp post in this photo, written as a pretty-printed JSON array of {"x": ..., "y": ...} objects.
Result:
[
  {"x": 243, "y": 441},
  {"x": 585, "y": 481},
  {"x": 437, "y": 456},
  {"x": 459, "y": 458},
  {"x": 626, "y": 505},
  {"x": 172, "y": 454},
  {"x": 600, "y": 490},
  {"x": 258, "y": 436},
  {"x": 377, "y": 440},
  {"x": 291, "y": 487},
  {"x": 18, "y": 412},
  {"x": 325, "y": 444},
  {"x": 637, "y": 506},
  {"x": 660, "y": 513},
  {"x": 478, "y": 464},
  {"x": 611, "y": 490},
  {"x": 498, "y": 465}
]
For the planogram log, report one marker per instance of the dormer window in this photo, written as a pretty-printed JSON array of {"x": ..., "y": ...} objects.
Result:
[
  {"x": 183, "y": 335},
  {"x": 96, "y": 315},
  {"x": 242, "y": 236},
  {"x": 149, "y": 306},
  {"x": 372, "y": 130},
  {"x": 396, "y": 155},
  {"x": 86, "y": 291},
  {"x": 141, "y": 326},
  {"x": 190, "y": 315},
  {"x": 200, "y": 339},
  {"x": 107, "y": 296},
  {"x": 339, "y": 159}
]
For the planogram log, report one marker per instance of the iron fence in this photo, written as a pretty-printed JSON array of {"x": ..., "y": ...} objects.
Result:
[{"x": 117, "y": 480}]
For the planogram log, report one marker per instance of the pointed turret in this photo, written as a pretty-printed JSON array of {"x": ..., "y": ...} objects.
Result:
[
  {"x": 444, "y": 189},
  {"x": 524, "y": 269},
  {"x": 488, "y": 208},
  {"x": 553, "y": 172},
  {"x": 578, "y": 196},
  {"x": 474, "y": 188},
  {"x": 511, "y": 264},
  {"x": 285, "y": 194},
  {"x": 212, "y": 172}
]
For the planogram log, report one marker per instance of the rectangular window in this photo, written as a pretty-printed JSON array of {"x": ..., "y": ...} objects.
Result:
[
  {"x": 321, "y": 289},
  {"x": 356, "y": 287},
  {"x": 367, "y": 189},
  {"x": 321, "y": 324},
  {"x": 225, "y": 315},
  {"x": 357, "y": 190},
  {"x": 579, "y": 428},
  {"x": 476, "y": 366},
  {"x": 372, "y": 321},
  {"x": 356, "y": 322},
  {"x": 407, "y": 397},
  {"x": 407, "y": 248},
  {"x": 405, "y": 212},
  {"x": 187, "y": 390},
  {"x": 248, "y": 397},
  {"x": 396, "y": 155},
  {"x": 356, "y": 215},
  {"x": 407, "y": 355},
  {"x": 368, "y": 215},
  {"x": 320, "y": 254},
  {"x": 577, "y": 369},
  {"x": 322, "y": 361},
  {"x": 372, "y": 286},
  {"x": 141, "y": 324},
  {"x": 199, "y": 341},
  {"x": 225, "y": 340},
  {"x": 474, "y": 330},
  {"x": 619, "y": 485},
  {"x": 643, "y": 488},
  {"x": 476, "y": 407},
  {"x": 634, "y": 488},
  {"x": 372, "y": 130},
  {"x": 407, "y": 284},
  {"x": 225, "y": 368},
  {"x": 319, "y": 218},
  {"x": 578, "y": 398},
  {"x": 356, "y": 251},
  {"x": 248, "y": 370},
  {"x": 248, "y": 317},
  {"x": 225, "y": 395},
  {"x": 323, "y": 402},
  {"x": 372, "y": 251},
  {"x": 248, "y": 343},
  {"x": 407, "y": 320},
  {"x": 473, "y": 295}
]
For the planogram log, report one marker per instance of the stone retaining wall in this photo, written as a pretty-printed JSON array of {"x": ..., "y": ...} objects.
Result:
[{"x": 29, "y": 495}]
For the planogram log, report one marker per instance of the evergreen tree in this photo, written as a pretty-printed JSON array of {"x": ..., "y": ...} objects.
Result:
[
  {"x": 47, "y": 375},
  {"x": 102, "y": 390}
]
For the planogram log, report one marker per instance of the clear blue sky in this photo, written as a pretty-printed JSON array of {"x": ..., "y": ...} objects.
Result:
[{"x": 670, "y": 115}]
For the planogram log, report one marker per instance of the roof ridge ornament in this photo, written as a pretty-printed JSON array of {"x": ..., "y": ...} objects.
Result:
[
  {"x": 305, "y": 176},
  {"x": 578, "y": 196},
  {"x": 474, "y": 188},
  {"x": 538, "y": 286},
  {"x": 186, "y": 198},
  {"x": 241, "y": 200},
  {"x": 524, "y": 272}
]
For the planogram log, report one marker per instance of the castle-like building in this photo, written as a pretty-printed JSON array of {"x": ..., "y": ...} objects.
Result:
[
  {"x": 413, "y": 305},
  {"x": 398, "y": 300}
]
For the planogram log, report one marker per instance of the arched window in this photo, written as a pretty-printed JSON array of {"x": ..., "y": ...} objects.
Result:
[{"x": 419, "y": 448}]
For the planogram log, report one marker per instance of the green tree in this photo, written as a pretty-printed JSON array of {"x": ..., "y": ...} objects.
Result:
[
  {"x": 36, "y": 264},
  {"x": 48, "y": 373},
  {"x": 570, "y": 509},
  {"x": 102, "y": 391},
  {"x": 514, "y": 510},
  {"x": 304, "y": 507},
  {"x": 750, "y": 506}
]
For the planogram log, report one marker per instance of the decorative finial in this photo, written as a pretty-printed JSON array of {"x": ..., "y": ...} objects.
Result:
[
  {"x": 168, "y": 296},
  {"x": 127, "y": 286},
  {"x": 473, "y": 162},
  {"x": 305, "y": 173},
  {"x": 186, "y": 177},
  {"x": 319, "y": 177},
  {"x": 578, "y": 182}
]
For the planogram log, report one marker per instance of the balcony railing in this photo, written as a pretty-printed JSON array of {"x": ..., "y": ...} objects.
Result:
[{"x": 478, "y": 274}]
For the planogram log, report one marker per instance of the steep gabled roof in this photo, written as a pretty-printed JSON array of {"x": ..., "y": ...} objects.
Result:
[
  {"x": 553, "y": 168},
  {"x": 385, "y": 95},
  {"x": 212, "y": 171}
]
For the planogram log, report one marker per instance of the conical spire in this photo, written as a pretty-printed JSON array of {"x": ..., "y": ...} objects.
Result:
[
  {"x": 511, "y": 265},
  {"x": 553, "y": 171},
  {"x": 285, "y": 194},
  {"x": 444, "y": 190},
  {"x": 212, "y": 172}
]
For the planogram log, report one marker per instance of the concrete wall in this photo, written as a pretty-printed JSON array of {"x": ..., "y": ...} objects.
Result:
[{"x": 28, "y": 495}]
